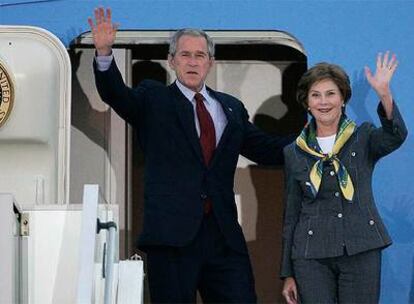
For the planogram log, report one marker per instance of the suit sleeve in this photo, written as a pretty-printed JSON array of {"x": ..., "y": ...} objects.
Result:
[
  {"x": 263, "y": 148},
  {"x": 127, "y": 102},
  {"x": 389, "y": 136},
  {"x": 292, "y": 208}
]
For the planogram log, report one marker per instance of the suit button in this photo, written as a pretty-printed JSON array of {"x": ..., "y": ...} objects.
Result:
[
  {"x": 332, "y": 173},
  {"x": 203, "y": 196},
  {"x": 353, "y": 153},
  {"x": 371, "y": 222},
  {"x": 339, "y": 215},
  {"x": 336, "y": 194},
  {"x": 310, "y": 232}
]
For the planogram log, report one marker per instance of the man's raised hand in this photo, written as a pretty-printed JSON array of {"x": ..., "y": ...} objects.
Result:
[{"x": 103, "y": 31}]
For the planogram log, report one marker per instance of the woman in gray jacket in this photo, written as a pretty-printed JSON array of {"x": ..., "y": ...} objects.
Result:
[{"x": 333, "y": 234}]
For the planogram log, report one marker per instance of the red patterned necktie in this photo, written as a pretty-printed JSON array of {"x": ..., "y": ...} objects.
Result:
[{"x": 207, "y": 131}]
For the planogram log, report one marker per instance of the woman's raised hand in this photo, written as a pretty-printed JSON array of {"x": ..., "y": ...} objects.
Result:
[{"x": 380, "y": 81}]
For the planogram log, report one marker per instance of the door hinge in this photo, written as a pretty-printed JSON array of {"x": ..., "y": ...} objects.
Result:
[{"x": 24, "y": 224}]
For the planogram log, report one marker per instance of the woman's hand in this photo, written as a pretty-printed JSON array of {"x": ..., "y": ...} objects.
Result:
[
  {"x": 380, "y": 82},
  {"x": 290, "y": 292},
  {"x": 103, "y": 31}
]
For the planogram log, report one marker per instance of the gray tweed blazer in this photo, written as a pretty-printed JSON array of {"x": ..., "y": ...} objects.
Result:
[{"x": 322, "y": 226}]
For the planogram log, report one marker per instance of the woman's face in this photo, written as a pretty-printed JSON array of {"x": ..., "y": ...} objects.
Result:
[{"x": 325, "y": 103}]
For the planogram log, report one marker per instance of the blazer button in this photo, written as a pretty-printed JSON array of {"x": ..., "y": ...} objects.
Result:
[
  {"x": 332, "y": 173},
  {"x": 353, "y": 153},
  {"x": 203, "y": 196},
  {"x": 339, "y": 215},
  {"x": 371, "y": 222},
  {"x": 310, "y": 232},
  {"x": 336, "y": 194}
]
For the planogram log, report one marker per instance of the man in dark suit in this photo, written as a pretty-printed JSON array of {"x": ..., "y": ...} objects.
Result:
[{"x": 191, "y": 137}]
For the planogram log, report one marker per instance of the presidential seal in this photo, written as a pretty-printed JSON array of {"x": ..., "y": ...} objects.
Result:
[{"x": 6, "y": 94}]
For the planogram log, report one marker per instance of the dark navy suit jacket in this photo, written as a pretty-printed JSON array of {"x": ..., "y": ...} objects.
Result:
[
  {"x": 325, "y": 225},
  {"x": 176, "y": 179}
]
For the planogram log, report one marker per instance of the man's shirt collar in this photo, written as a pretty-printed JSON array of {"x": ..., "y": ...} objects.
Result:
[{"x": 189, "y": 94}]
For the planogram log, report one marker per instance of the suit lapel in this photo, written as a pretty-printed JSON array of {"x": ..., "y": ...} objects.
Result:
[
  {"x": 185, "y": 113},
  {"x": 228, "y": 111}
]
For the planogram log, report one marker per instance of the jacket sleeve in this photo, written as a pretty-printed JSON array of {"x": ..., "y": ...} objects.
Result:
[
  {"x": 261, "y": 147},
  {"x": 389, "y": 136},
  {"x": 127, "y": 102},
  {"x": 292, "y": 208}
]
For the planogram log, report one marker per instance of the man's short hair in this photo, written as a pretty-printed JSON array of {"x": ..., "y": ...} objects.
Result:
[{"x": 190, "y": 32}]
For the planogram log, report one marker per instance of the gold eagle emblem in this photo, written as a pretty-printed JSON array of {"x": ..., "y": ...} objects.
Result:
[{"x": 6, "y": 94}]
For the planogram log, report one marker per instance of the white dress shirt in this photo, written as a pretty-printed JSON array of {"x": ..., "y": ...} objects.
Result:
[{"x": 326, "y": 143}]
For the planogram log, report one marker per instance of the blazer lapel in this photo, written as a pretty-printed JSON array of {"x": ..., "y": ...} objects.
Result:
[
  {"x": 228, "y": 111},
  {"x": 185, "y": 113}
]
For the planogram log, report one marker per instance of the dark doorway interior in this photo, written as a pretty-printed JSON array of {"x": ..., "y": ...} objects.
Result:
[{"x": 267, "y": 182}]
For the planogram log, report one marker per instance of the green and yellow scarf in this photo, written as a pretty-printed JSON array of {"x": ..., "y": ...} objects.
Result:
[{"x": 307, "y": 142}]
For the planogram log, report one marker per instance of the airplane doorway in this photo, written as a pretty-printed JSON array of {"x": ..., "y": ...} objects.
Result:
[
  {"x": 264, "y": 77},
  {"x": 262, "y": 69}
]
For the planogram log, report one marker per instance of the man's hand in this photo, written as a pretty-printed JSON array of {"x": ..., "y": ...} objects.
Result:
[
  {"x": 290, "y": 292},
  {"x": 103, "y": 31}
]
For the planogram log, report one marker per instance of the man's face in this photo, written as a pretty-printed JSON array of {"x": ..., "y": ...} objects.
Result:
[{"x": 191, "y": 61}]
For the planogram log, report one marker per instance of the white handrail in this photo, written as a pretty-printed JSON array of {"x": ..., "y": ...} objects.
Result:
[
  {"x": 11, "y": 289},
  {"x": 87, "y": 244},
  {"x": 108, "y": 261}
]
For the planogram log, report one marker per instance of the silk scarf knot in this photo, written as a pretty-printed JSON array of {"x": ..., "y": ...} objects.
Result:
[{"x": 307, "y": 142}]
